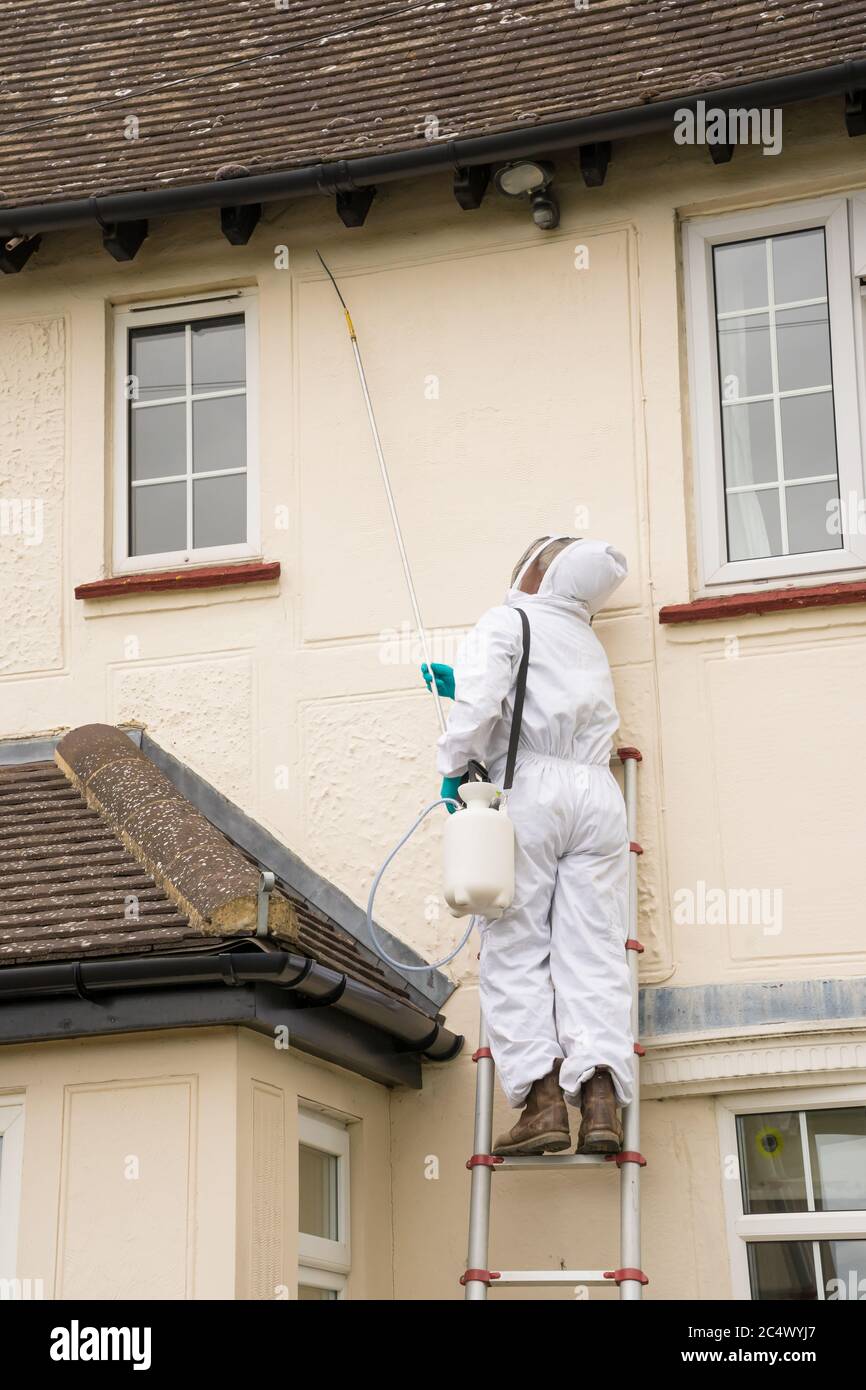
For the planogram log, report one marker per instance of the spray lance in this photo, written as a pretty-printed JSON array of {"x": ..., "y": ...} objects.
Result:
[{"x": 478, "y": 844}]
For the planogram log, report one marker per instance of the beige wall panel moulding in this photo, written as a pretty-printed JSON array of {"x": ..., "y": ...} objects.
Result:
[
  {"x": 787, "y": 744},
  {"x": 126, "y": 1224},
  {"x": 354, "y": 820},
  {"x": 203, "y": 711},
  {"x": 504, "y": 391}
]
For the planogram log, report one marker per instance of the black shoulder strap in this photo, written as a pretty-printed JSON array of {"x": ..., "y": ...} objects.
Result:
[{"x": 517, "y": 716}]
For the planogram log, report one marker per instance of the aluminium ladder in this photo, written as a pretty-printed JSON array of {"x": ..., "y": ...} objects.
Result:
[{"x": 628, "y": 1275}]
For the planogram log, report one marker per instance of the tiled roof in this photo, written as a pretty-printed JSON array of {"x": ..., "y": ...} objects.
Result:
[
  {"x": 271, "y": 88},
  {"x": 66, "y": 881},
  {"x": 65, "y": 878}
]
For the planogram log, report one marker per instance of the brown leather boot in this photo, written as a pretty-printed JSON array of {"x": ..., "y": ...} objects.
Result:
[
  {"x": 600, "y": 1127},
  {"x": 543, "y": 1124}
]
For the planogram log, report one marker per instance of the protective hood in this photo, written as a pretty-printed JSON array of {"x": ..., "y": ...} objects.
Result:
[
  {"x": 584, "y": 575},
  {"x": 587, "y": 572}
]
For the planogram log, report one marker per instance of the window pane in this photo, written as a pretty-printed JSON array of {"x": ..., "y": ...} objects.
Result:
[
  {"x": 811, "y": 523},
  {"x": 219, "y": 433},
  {"x": 741, "y": 276},
  {"x": 803, "y": 346},
  {"x": 754, "y": 525},
  {"x": 157, "y": 358},
  {"x": 317, "y": 1193},
  {"x": 837, "y": 1154},
  {"x": 771, "y": 1163},
  {"x": 808, "y": 435},
  {"x": 157, "y": 447},
  {"x": 799, "y": 266},
  {"x": 218, "y": 354},
  {"x": 843, "y": 1266},
  {"x": 750, "y": 443},
  {"x": 782, "y": 1269},
  {"x": 744, "y": 357},
  {"x": 308, "y": 1294},
  {"x": 219, "y": 511},
  {"x": 158, "y": 521}
]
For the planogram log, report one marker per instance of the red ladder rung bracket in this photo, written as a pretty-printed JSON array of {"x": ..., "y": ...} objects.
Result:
[
  {"x": 483, "y": 1161},
  {"x": 634, "y": 847},
  {"x": 640, "y": 1050},
  {"x": 621, "y": 1275},
  {"x": 626, "y": 1156},
  {"x": 625, "y": 753},
  {"x": 480, "y": 1276},
  {"x": 632, "y": 944},
  {"x": 482, "y": 1052}
]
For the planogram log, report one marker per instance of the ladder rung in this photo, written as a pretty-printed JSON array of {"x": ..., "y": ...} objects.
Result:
[
  {"x": 551, "y": 1278},
  {"x": 556, "y": 1161}
]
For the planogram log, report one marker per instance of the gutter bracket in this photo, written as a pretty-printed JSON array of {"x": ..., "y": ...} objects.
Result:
[
  {"x": 322, "y": 1002},
  {"x": 421, "y": 1046},
  {"x": 78, "y": 984}
]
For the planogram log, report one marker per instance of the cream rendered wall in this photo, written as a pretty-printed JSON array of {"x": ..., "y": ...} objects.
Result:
[
  {"x": 273, "y": 1086},
  {"x": 128, "y": 1181},
  {"x": 164, "y": 1166},
  {"x": 516, "y": 394}
]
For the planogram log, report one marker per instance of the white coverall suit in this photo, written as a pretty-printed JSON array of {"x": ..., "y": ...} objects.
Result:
[{"x": 554, "y": 976}]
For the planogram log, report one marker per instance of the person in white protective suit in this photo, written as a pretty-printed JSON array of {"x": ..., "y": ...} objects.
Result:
[{"x": 554, "y": 977}]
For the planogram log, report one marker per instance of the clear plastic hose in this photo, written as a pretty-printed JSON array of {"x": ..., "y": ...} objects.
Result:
[{"x": 398, "y": 964}]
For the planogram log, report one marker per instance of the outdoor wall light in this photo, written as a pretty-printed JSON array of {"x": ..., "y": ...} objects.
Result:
[{"x": 531, "y": 178}]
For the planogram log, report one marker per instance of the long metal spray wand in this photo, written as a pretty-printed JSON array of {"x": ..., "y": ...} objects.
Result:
[{"x": 392, "y": 506}]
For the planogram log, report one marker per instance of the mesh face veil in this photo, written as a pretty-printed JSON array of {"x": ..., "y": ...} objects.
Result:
[{"x": 537, "y": 558}]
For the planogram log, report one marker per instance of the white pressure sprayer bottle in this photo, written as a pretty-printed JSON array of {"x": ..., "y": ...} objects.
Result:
[
  {"x": 478, "y": 855},
  {"x": 478, "y": 847}
]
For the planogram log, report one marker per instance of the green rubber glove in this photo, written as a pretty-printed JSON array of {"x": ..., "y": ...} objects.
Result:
[
  {"x": 450, "y": 786},
  {"x": 444, "y": 676}
]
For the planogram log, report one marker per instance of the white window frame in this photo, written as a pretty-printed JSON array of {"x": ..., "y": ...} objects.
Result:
[
  {"x": 184, "y": 311},
  {"x": 11, "y": 1161},
  {"x": 799, "y": 1225},
  {"x": 325, "y": 1264},
  {"x": 717, "y": 573}
]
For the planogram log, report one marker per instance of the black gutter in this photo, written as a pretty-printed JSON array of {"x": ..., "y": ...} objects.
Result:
[
  {"x": 308, "y": 985},
  {"x": 370, "y": 171}
]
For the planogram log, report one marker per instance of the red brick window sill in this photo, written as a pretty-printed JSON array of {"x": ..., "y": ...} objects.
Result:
[
  {"x": 765, "y": 601},
  {"x": 173, "y": 581}
]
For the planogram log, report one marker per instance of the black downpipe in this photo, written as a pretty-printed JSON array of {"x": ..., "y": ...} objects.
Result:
[
  {"x": 345, "y": 175},
  {"x": 306, "y": 982}
]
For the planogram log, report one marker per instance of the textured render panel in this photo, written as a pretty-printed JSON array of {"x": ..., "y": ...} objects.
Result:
[
  {"x": 499, "y": 419},
  {"x": 32, "y": 449},
  {"x": 789, "y": 772},
  {"x": 383, "y": 752},
  {"x": 125, "y": 1191},
  {"x": 203, "y": 711},
  {"x": 267, "y": 1215}
]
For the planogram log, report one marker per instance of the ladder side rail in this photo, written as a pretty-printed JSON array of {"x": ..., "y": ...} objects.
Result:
[
  {"x": 482, "y": 1173},
  {"x": 630, "y": 1224}
]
